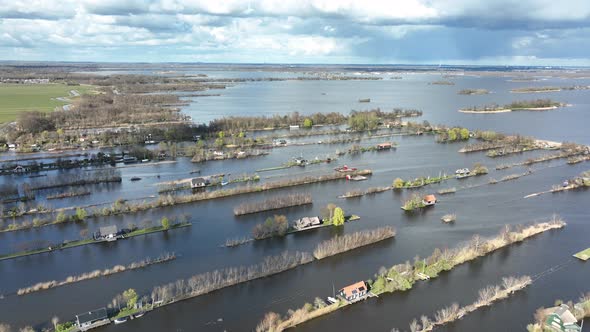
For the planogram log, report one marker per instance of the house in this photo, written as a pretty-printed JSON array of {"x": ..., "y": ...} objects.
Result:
[
  {"x": 307, "y": 222},
  {"x": 108, "y": 233},
  {"x": 92, "y": 319},
  {"x": 354, "y": 292},
  {"x": 561, "y": 319},
  {"x": 199, "y": 183},
  {"x": 429, "y": 200},
  {"x": 299, "y": 161},
  {"x": 384, "y": 146}
]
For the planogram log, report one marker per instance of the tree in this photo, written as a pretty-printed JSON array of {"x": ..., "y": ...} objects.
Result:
[
  {"x": 338, "y": 218},
  {"x": 464, "y": 133},
  {"x": 398, "y": 183},
  {"x": 81, "y": 214},
  {"x": 61, "y": 217},
  {"x": 130, "y": 297},
  {"x": 165, "y": 223},
  {"x": 328, "y": 211},
  {"x": 452, "y": 135},
  {"x": 307, "y": 123}
]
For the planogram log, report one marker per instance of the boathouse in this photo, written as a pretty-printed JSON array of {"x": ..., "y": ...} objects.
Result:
[
  {"x": 92, "y": 319},
  {"x": 354, "y": 292}
]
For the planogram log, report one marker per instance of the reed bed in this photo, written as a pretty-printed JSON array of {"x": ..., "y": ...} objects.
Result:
[
  {"x": 273, "y": 203},
  {"x": 210, "y": 281},
  {"x": 69, "y": 194},
  {"x": 45, "y": 285},
  {"x": 340, "y": 244},
  {"x": 447, "y": 191},
  {"x": 487, "y": 296},
  {"x": 102, "y": 176}
]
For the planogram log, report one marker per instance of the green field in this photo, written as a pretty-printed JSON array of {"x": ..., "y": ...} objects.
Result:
[
  {"x": 583, "y": 255},
  {"x": 16, "y": 98}
]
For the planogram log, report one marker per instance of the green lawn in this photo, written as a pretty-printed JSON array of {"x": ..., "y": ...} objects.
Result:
[
  {"x": 16, "y": 98},
  {"x": 583, "y": 255}
]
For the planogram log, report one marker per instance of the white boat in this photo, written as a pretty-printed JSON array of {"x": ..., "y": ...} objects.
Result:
[
  {"x": 139, "y": 314},
  {"x": 121, "y": 320},
  {"x": 332, "y": 300}
]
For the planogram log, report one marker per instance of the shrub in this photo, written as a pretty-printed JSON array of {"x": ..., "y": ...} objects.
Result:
[
  {"x": 165, "y": 223},
  {"x": 338, "y": 217}
]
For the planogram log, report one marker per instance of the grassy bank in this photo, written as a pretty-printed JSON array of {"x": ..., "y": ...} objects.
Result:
[{"x": 340, "y": 244}]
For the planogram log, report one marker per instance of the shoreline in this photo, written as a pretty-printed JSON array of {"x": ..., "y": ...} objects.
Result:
[{"x": 506, "y": 110}]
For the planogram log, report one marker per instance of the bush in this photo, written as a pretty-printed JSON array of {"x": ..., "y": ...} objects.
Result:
[
  {"x": 338, "y": 217},
  {"x": 398, "y": 183},
  {"x": 165, "y": 223},
  {"x": 61, "y": 217},
  {"x": 277, "y": 226},
  {"x": 81, "y": 214}
]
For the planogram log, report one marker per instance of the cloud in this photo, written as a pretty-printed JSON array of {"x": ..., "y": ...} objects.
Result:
[{"x": 295, "y": 30}]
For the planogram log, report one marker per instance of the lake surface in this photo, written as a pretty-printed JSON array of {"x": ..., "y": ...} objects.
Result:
[{"x": 482, "y": 210}]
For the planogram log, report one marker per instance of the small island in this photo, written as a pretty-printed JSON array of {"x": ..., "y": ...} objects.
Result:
[
  {"x": 469, "y": 92},
  {"x": 541, "y": 89},
  {"x": 526, "y": 105},
  {"x": 442, "y": 83}
]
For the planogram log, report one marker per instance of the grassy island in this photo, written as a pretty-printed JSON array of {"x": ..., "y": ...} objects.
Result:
[
  {"x": 526, "y": 105},
  {"x": 473, "y": 92}
]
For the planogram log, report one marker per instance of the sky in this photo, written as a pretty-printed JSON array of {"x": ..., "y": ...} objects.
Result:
[{"x": 485, "y": 32}]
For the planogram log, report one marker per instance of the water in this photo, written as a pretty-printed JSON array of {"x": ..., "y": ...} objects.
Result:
[{"x": 482, "y": 210}]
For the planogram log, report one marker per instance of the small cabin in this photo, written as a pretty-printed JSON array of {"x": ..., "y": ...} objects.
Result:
[
  {"x": 384, "y": 146},
  {"x": 91, "y": 319},
  {"x": 307, "y": 222},
  {"x": 199, "y": 183},
  {"x": 429, "y": 200},
  {"x": 354, "y": 292}
]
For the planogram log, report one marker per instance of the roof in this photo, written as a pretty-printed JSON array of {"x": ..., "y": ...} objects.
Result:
[
  {"x": 108, "y": 230},
  {"x": 92, "y": 316},
  {"x": 566, "y": 315},
  {"x": 351, "y": 289},
  {"x": 429, "y": 198},
  {"x": 384, "y": 144}
]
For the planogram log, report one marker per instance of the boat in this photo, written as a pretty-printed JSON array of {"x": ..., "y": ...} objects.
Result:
[
  {"x": 332, "y": 300},
  {"x": 345, "y": 169},
  {"x": 135, "y": 178},
  {"x": 139, "y": 314},
  {"x": 224, "y": 183},
  {"x": 365, "y": 100},
  {"x": 356, "y": 178},
  {"x": 121, "y": 320}
]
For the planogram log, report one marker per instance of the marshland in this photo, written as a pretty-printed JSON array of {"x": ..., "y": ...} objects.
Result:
[{"x": 483, "y": 209}]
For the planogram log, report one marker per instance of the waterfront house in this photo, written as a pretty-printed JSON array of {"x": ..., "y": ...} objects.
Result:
[
  {"x": 300, "y": 161},
  {"x": 92, "y": 319},
  {"x": 429, "y": 200},
  {"x": 354, "y": 292},
  {"x": 199, "y": 183},
  {"x": 307, "y": 222},
  {"x": 384, "y": 146},
  {"x": 561, "y": 319},
  {"x": 108, "y": 233}
]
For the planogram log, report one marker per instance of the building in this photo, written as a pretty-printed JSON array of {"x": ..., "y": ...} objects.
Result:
[
  {"x": 307, "y": 222},
  {"x": 354, "y": 292},
  {"x": 199, "y": 183},
  {"x": 108, "y": 233},
  {"x": 429, "y": 200},
  {"x": 561, "y": 319},
  {"x": 92, "y": 319},
  {"x": 384, "y": 146}
]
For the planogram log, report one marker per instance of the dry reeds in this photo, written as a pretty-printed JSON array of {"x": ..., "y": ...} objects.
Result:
[
  {"x": 96, "y": 274},
  {"x": 347, "y": 242},
  {"x": 273, "y": 203}
]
